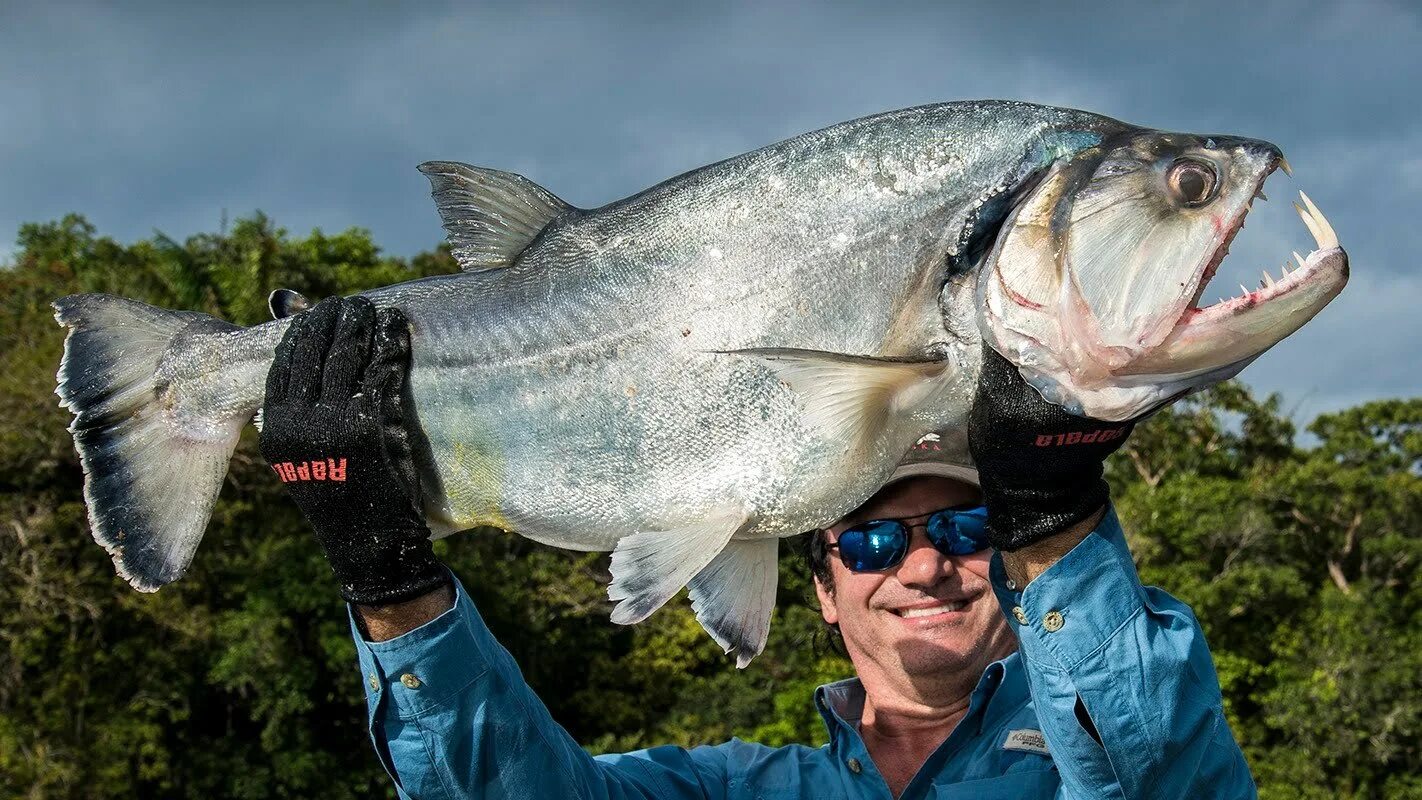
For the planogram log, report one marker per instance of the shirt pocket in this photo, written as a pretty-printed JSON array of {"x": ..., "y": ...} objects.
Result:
[{"x": 1017, "y": 786}]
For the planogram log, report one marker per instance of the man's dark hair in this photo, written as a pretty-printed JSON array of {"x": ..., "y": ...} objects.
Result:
[{"x": 815, "y": 551}]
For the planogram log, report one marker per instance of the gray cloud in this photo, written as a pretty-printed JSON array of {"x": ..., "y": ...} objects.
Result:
[{"x": 162, "y": 116}]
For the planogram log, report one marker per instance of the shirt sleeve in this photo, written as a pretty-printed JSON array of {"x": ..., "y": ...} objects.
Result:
[
  {"x": 1123, "y": 684},
  {"x": 450, "y": 716}
]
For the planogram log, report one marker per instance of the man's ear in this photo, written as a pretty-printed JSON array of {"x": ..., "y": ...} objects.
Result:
[{"x": 827, "y": 606}]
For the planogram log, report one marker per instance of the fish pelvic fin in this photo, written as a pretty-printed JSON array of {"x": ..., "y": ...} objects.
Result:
[
  {"x": 734, "y": 595},
  {"x": 850, "y": 398},
  {"x": 650, "y": 567},
  {"x": 152, "y": 471},
  {"x": 489, "y": 216}
]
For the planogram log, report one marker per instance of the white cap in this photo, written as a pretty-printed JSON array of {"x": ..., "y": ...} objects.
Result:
[{"x": 927, "y": 457}]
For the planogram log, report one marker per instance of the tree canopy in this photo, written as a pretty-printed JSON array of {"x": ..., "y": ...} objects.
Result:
[{"x": 240, "y": 680}]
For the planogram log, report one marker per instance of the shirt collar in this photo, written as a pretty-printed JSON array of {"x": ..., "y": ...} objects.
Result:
[{"x": 1001, "y": 691}]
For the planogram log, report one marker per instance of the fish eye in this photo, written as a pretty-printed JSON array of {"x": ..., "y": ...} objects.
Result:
[{"x": 1191, "y": 181}]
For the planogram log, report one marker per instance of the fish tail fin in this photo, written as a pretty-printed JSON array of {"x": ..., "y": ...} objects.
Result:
[{"x": 152, "y": 468}]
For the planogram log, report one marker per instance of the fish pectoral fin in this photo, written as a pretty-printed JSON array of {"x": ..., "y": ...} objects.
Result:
[
  {"x": 850, "y": 397},
  {"x": 734, "y": 595},
  {"x": 650, "y": 567},
  {"x": 490, "y": 216}
]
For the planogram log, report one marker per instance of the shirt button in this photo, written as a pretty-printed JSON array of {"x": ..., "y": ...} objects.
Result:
[
  {"x": 374, "y": 683},
  {"x": 410, "y": 681},
  {"x": 1053, "y": 621},
  {"x": 1019, "y": 615},
  {"x": 854, "y": 765}
]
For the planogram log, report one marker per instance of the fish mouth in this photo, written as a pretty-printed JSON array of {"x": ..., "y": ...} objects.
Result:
[{"x": 1234, "y": 331}]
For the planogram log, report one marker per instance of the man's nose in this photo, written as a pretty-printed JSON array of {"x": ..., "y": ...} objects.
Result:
[{"x": 924, "y": 566}]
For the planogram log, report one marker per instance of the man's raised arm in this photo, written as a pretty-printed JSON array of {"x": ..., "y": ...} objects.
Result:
[
  {"x": 449, "y": 713},
  {"x": 1123, "y": 684}
]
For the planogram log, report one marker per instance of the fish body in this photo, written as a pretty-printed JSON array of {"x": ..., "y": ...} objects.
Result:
[
  {"x": 740, "y": 353},
  {"x": 608, "y": 355}
]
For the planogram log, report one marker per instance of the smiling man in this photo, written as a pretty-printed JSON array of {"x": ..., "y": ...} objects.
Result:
[
  {"x": 1005, "y": 651},
  {"x": 921, "y": 625}
]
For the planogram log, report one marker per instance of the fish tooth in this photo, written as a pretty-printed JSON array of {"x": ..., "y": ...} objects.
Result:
[
  {"x": 1268, "y": 281},
  {"x": 1284, "y": 165},
  {"x": 1242, "y": 289},
  {"x": 1329, "y": 238},
  {"x": 1299, "y": 259},
  {"x": 1309, "y": 223},
  {"x": 1259, "y": 193}
]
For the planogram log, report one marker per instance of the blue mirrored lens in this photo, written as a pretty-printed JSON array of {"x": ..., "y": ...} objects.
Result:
[
  {"x": 959, "y": 532},
  {"x": 872, "y": 546}
]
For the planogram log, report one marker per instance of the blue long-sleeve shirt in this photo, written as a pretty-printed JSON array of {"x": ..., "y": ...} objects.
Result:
[{"x": 451, "y": 716}]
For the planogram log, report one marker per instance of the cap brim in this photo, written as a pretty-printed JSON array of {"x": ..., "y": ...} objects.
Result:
[{"x": 936, "y": 469}]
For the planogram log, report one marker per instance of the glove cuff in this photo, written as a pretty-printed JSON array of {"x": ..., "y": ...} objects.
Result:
[
  {"x": 380, "y": 568},
  {"x": 1021, "y": 516}
]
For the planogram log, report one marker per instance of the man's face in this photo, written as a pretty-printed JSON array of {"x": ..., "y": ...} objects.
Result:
[{"x": 930, "y": 614}]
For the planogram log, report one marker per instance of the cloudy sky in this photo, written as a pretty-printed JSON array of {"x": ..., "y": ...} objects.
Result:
[{"x": 163, "y": 116}]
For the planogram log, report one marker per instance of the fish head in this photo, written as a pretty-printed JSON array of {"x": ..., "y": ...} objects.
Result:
[{"x": 1092, "y": 285}]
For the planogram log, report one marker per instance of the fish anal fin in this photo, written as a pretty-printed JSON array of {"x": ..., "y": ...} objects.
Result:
[
  {"x": 850, "y": 397},
  {"x": 650, "y": 567},
  {"x": 734, "y": 595},
  {"x": 489, "y": 216}
]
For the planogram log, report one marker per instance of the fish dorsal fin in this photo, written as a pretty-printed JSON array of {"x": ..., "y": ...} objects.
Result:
[{"x": 490, "y": 216}]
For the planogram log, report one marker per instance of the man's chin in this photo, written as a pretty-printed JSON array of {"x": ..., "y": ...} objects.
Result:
[
  {"x": 944, "y": 642},
  {"x": 934, "y": 658},
  {"x": 952, "y": 640}
]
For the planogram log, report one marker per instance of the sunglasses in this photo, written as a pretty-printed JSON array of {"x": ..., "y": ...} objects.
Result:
[{"x": 883, "y": 543}]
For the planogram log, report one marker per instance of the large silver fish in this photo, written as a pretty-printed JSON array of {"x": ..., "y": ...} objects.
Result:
[{"x": 741, "y": 353}]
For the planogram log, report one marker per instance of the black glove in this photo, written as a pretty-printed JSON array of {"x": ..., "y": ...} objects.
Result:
[
  {"x": 1040, "y": 467},
  {"x": 333, "y": 428}
]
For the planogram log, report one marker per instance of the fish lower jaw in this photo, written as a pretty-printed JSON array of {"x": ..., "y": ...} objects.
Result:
[
  {"x": 1238, "y": 329},
  {"x": 1314, "y": 268},
  {"x": 1242, "y": 328}
]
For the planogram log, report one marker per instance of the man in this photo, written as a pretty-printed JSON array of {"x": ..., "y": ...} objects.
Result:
[{"x": 1007, "y": 653}]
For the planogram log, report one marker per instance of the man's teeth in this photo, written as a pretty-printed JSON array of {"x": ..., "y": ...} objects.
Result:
[{"x": 909, "y": 613}]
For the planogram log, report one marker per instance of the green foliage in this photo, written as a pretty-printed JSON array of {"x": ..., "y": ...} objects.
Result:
[
  {"x": 240, "y": 679},
  {"x": 1302, "y": 566}
]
